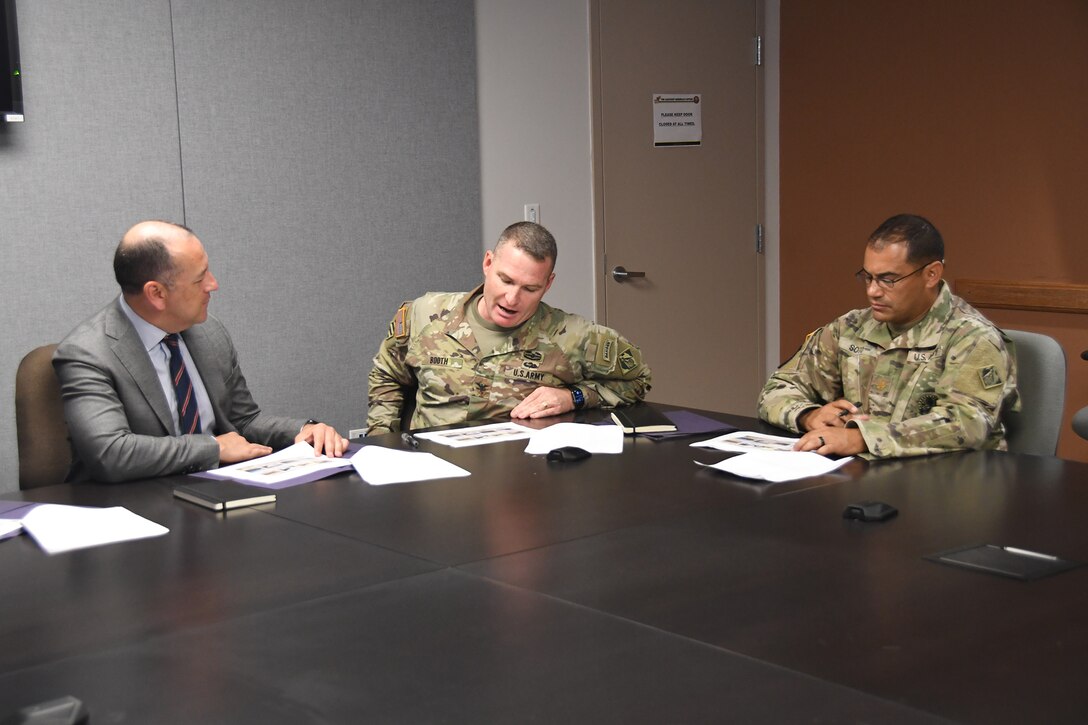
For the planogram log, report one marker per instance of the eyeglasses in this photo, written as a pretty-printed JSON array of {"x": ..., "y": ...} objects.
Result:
[{"x": 886, "y": 282}]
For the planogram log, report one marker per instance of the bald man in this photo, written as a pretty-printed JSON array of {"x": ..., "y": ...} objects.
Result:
[{"x": 151, "y": 384}]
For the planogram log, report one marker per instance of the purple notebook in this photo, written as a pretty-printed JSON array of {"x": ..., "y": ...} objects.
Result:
[{"x": 690, "y": 424}]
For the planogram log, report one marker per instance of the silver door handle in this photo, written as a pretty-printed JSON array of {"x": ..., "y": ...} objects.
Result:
[{"x": 619, "y": 274}]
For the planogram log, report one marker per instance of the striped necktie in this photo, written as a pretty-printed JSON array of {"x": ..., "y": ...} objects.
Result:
[{"x": 188, "y": 413}]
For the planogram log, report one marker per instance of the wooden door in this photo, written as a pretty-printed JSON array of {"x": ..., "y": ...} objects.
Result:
[{"x": 685, "y": 216}]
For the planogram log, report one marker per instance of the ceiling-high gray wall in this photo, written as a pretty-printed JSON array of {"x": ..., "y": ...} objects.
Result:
[{"x": 326, "y": 152}]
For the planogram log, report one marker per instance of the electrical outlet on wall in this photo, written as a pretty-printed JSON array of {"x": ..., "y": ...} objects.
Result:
[{"x": 532, "y": 213}]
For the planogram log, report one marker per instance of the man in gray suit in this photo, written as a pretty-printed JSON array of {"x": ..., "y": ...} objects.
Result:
[{"x": 131, "y": 384}]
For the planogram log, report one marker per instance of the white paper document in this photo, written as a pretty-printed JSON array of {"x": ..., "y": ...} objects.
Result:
[
  {"x": 593, "y": 438},
  {"x": 778, "y": 465},
  {"x": 11, "y": 517},
  {"x": 9, "y": 527},
  {"x": 477, "y": 435},
  {"x": 292, "y": 463},
  {"x": 379, "y": 466},
  {"x": 743, "y": 441},
  {"x": 59, "y": 528}
]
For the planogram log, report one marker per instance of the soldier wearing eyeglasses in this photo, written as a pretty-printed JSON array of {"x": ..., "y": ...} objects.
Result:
[{"x": 918, "y": 371}]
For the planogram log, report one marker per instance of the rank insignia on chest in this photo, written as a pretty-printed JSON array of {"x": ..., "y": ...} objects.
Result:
[
  {"x": 881, "y": 385},
  {"x": 990, "y": 377}
]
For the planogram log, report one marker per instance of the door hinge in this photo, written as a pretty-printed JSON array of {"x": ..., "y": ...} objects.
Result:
[
  {"x": 759, "y": 239},
  {"x": 759, "y": 50}
]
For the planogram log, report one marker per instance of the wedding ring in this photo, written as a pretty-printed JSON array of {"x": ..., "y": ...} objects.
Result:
[{"x": 822, "y": 442}]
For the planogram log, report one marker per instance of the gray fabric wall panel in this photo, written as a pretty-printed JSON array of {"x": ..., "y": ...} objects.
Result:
[
  {"x": 331, "y": 167},
  {"x": 98, "y": 147},
  {"x": 329, "y": 160}
]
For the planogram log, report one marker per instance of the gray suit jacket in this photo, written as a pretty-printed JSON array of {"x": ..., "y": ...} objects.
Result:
[{"x": 118, "y": 418}]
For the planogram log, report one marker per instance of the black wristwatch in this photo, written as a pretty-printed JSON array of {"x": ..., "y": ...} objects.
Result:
[{"x": 578, "y": 396}]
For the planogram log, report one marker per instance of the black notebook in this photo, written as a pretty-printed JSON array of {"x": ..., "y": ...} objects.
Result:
[
  {"x": 223, "y": 495},
  {"x": 1004, "y": 561},
  {"x": 642, "y": 418}
]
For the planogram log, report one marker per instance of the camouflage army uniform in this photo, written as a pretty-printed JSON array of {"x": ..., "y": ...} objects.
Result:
[
  {"x": 940, "y": 386},
  {"x": 432, "y": 345}
]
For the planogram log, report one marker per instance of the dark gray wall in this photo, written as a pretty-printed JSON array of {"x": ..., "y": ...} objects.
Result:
[{"x": 326, "y": 152}]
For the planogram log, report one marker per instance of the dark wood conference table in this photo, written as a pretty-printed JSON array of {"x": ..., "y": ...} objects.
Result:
[{"x": 629, "y": 588}]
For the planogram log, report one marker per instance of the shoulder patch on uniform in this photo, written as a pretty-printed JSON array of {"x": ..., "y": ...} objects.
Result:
[
  {"x": 627, "y": 360},
  {"x": 398, "y": 327},
  {"x": 990, "y": 377},
  {"x": 808, "y": 339},
  {"x": 604, "y": 352}
]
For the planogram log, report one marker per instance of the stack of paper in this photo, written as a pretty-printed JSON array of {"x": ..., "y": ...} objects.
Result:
[
  {"x": 59, "y": 528},
  {"x": 291, "y": 466},
  {"x": 11, "y": 517},
  {"x": 9, "y": 527},
  {"x": 778, "y": 465},
  {"x": 477, "y": 435},
  {"x": 744, "y": 440},
  {"x": 592, "y": 438},
  {"x": 379, "y": 466}
]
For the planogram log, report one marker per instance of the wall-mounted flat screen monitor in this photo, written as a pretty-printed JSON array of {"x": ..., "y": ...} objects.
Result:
[{"x": 11, "y": 77}]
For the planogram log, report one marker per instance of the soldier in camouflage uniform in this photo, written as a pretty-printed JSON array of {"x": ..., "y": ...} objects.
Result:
[
  {"x": 919, "y": 371},
  {"x": 499, "y": 350}
]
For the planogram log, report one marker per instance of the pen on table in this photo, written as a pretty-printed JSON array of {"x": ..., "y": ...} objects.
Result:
[
  {"x": 1025, "y": 552},
  {"x": 409, "y": 440}
]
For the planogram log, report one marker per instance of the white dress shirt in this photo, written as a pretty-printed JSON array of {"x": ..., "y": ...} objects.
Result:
[{"x": 152, "y": 339}]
